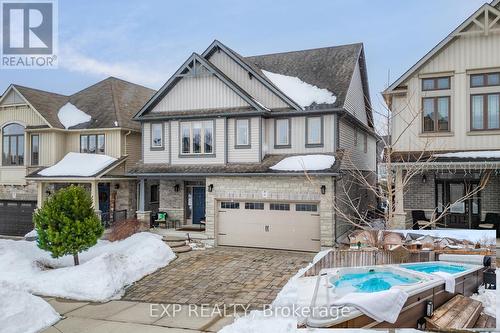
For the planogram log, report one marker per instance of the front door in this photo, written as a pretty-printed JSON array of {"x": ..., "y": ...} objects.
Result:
[
  {"x": 198, "y": 204},
  {"x": 463, "y": 213},
  {"x": 104, "y": 200}
]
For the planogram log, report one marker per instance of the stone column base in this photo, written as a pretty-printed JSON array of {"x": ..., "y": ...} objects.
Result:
[{"x": 144, "y": 219}]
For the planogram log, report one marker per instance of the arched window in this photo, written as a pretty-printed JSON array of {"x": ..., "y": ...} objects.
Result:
[{"x": 13, "y": 145}]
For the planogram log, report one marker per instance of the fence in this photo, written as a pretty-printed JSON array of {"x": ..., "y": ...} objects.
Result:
[
  {"x": 109, "y": 218},
  {"x": 353, "y": 258}
]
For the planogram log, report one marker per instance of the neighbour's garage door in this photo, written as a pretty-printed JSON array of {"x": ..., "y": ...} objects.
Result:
[
  {"x": 275, "y": 225},
  {"x": 16, "y": 217}
]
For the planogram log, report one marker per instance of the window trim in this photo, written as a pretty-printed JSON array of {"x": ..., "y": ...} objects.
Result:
[
  {"x": 289, "y": 144},
  {"x": 260, "y": 203},
  {"x": 321, "y": 134},
  {"x": 279, "y": 204},
  {"x": 196, "y": 155},
  {"x": 307, "y": 205},
  {"x": 485, "y": 112},
  {"x": 436, "y": 123},
  {"x": 230, "y": 205},
  {"x": 435, "y": 79},
  {"x": 16, "y": 136},
  {"x": 249, "y": 135},
  {"x": 157, "y": 193},
  {"x": 31, "y": 149},
  {"x": 96, "y": 143},
  {"x": 151, "y": 146},
  {"x": 485, "y": 80}
]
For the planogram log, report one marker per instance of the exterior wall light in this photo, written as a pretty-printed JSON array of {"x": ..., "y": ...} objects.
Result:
[
  {"x": 323, "y": 189},
  {"x": 210, "y": 187},
  {"x": 424, "y": 179},
  {"x": 176, "y": 188}
]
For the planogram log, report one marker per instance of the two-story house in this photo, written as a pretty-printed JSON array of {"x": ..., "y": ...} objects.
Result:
[
  {"x": 446, "y": 123},
  {"x": 49, "y": 140},
  {"x": 228, "y": 140}
]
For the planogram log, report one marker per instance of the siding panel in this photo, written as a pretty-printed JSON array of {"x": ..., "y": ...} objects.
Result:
[
  {"x": 244, "y": 155},
  {"x": 355, "y": 98},
  {"x": 155, "y": 156}
]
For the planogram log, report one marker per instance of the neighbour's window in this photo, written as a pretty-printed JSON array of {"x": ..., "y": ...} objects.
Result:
[
  {"x": 436, "y": 114},
  {"x": 306, "y": 208},
  {"x": 92, "y": 143},
  {"x": 13, "y": 144},
  {"x": 485, "y": 80},
  {"x": 229, "y": 205},
  {"x": 314, "y": 126},
  {"x": 197, "y": 137},
  {"x": 35, "y": 149},
  {"x": 242, "y": 132},
  {"x": 365, "y": 143},
  {"x": 436, "y": 83},
  {"x": 156, "y": 135},
  {"x": 154, "y": 193},
  {"x": 485, "y": 111},
  {"x": 254, "y": 205},
  {"x": 279, "y": 206},
  {"x": 282, "y": 132}
]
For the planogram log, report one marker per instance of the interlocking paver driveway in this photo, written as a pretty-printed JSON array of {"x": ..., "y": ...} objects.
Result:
[{"x": 223, "y": 275}]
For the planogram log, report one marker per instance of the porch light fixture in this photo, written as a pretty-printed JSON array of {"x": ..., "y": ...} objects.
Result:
[
  {"x": 48, "y": 192},
  {"x": 176, "y": 188},
  {"x": 323, "y": 189},
  {"x": 117, "y": 186},
  {"x": 210, "y": 187},
  {"x": 424, "y": 179}
]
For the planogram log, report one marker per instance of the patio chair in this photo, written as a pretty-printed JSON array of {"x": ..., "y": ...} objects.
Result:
[
  {"x": 418, "y": 216},
  {"x": 161, "y": 218},
  {"x": 491, "y": 222}
]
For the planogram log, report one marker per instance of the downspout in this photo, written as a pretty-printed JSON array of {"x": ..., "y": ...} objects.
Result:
[{"x": 129, "y": 132}]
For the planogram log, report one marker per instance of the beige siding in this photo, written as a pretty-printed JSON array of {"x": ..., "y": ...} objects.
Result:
[
  {"x": 298, "y": 137},
  {"x": 201, "y": 92},
  {"x": 131, "y": 148},
  {"x": 21, "y": 114},
  {"x": 50, "y": 147},
  {"x": 12, "y": 98},
  {"x": 242, "y": 155},
  {"x": 459, "y": 59},
  {"x": 251, "y": 85},
  {"x": 112, "y": 142},
  {"x": 155, "y": 156},
  {"x": 354, "y": 150},
  {"x": 355, "y": 98}
]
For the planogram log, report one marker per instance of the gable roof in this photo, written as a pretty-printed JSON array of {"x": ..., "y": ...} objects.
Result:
[
  {"x": 108, "y": 101},
  {"x": 443, "y": 43}
]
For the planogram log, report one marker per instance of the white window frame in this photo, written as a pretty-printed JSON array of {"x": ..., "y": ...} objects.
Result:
[
  {"x": 237, "y": 123},
  {"x": 162, "y": 128},
  {"x": 288, "y": 134},
  {"x": 190, "y": 125},
  {"x": 320, "y": 142}
]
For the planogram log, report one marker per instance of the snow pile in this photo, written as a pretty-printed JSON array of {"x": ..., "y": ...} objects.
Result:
[
  {"x": 489, "y": 300},
  {"x": 104, "y": 270},
  {"x": 79, "y": 164},
  {"x": 69, "y": 115},
  {"x": 304, "y": 163},
  {"x": 256, "y": 322},
  {"x": 472, "y": 154},
  {"x": 301, "y": 92},
  {"x": 23, "y": 312}
]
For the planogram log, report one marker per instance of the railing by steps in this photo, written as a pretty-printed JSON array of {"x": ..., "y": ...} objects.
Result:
[{"x": 110, "y": 218}]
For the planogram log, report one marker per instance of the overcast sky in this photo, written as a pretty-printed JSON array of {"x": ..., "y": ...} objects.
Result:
[{"x": 146, "y": 41}]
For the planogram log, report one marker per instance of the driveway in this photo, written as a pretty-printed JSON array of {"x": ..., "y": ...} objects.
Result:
[{"x": 223, "y": 275}]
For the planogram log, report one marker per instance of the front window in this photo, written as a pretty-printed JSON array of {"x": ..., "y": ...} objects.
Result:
[
  {"x": 485, "y": 80},
  {"x": 485, "y": 111},
  {"x": 154, "y": 194},
  {"x": 35, "y": 149},
  {"x": 282, "y": 132},
  {"x": 436, "y": 114},
  {"x": 13, "y": 145},
  {"x": 156, "y": 135},
  {"x": 92, "y": 143},
  {"x": 436, "y": 83},
  {"x": 314, "y": 131},
  {"x": 242, "y": 132},
  {"x": 197, "y": 137}
]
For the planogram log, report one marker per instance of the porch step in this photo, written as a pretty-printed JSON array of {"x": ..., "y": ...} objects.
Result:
[
  {"x": 177, "y": 244},
  {"x": 182, "y": 249}
]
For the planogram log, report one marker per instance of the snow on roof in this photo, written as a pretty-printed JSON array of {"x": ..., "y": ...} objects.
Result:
[
  {"x": 301, "y": 92},
  {"x": 305, "y": 162},
  {"x": 472, "y": 154},
  {"x": 69, "y": 115},
  {"x": 78, "y": 164}
]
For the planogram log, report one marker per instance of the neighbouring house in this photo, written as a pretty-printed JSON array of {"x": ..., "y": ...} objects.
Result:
[
  {"x": 227, "y": 141},
  {"x": 391, "y": 240},
  {"x": 51, "y": 140},
  {"x": 446, "y": 116},
  {"x": 426, "y": 241},
  {"x": 359, "y": 239}
]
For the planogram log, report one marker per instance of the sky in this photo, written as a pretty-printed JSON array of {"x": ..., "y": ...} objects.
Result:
[{"x": 146, "y": 41}]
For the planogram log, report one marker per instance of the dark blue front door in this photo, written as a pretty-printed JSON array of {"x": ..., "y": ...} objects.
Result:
[
  {"x": 198, "y": 204},
  {"x": 104, "y": 198}
]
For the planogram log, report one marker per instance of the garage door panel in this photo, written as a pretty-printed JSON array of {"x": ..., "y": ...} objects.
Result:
[{"x": 16, "y": 217}]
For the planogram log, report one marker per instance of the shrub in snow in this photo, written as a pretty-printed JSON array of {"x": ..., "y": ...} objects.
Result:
[{"x": 67, "y": 224}]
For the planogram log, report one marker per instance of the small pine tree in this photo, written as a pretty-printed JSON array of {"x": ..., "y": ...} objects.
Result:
[{"x": 67, "y": 224}]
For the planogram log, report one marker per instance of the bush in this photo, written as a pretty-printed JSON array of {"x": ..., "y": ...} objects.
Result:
[{"x": 67, "y": 224}]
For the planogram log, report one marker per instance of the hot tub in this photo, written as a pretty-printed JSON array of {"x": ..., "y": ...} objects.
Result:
[{"x": 437, "y": 266}]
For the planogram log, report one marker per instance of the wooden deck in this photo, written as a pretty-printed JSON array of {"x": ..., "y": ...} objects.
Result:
[{"x": 485, "y": 321}]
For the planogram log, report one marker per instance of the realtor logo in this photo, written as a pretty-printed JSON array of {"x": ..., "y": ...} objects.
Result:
[{"x": 28, "y": 34}]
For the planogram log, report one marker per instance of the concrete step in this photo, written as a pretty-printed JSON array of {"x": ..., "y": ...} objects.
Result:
[
  {"x": 176, "y": 244},
  {"x": 169, "y": 238},
  {"x": 182, "y": 249}
]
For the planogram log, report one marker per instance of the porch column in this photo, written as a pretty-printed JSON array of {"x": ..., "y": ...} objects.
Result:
[
  {"x": 39, "y": 197},
  {"x": 144, "y": 217},
  {"x": 142, "y": 192},
  {"x": 399, "y": 212},
  {"x": 94, "y": 193}
]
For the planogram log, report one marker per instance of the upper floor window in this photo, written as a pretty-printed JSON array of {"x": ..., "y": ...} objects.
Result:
[
  {"x": 13, "y": 145},
  {"x": 436, "y": 114},
  {"x": 35, "y": 149},
  {"x": 157, "y": 135},
  {"x": 282, "y": 133},
  {"x": 436, "y": 83},
  {"x": 484, "y": 80},
  {"x": 242, "y": 132},
  {"x": 314, "y": 131},
  {"x": 197, "y": 137},
  {"x": 92, "y": 143},
  {"x": 485, "y": 111}
]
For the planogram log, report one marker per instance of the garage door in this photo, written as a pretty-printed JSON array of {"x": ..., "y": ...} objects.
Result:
[
  {"x": 16, "y": 217},
  {"x": 275, "y": 225}
]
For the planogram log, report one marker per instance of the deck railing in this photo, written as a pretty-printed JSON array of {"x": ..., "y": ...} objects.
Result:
[{"x": 109, "y": 218}]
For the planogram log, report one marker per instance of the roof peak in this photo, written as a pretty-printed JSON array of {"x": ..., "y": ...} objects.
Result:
[{"x": 305, "y": 50}]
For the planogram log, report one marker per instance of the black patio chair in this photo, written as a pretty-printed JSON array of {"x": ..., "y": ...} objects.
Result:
[
  {"x": 418, "y": 215},
  {"x": 494, "y": 219}
]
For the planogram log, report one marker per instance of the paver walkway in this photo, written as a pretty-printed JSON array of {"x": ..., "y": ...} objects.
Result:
[{"x": 223, "y": 275}]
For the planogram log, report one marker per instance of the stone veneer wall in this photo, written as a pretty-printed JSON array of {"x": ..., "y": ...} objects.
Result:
[
  {"x": 125, "y": 196},
  {"x": 283, "y": 188},
  {"x": 170, "y": 201},
  {"x": 19, "y": 192}
]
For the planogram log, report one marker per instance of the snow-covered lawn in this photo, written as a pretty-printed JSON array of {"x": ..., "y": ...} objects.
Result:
[
  {"x": 104, "y": 270},
  {"x": 489, "y": 299}
]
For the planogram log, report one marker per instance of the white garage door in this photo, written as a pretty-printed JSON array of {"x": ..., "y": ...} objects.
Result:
[{"x": 274, "y": 225}]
